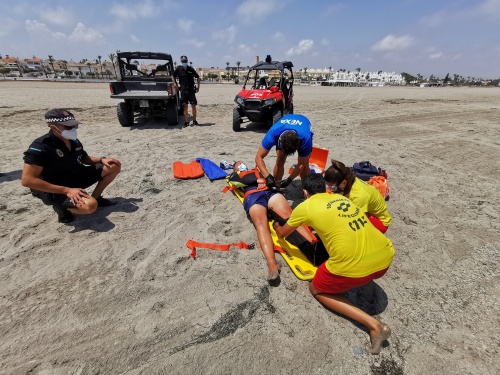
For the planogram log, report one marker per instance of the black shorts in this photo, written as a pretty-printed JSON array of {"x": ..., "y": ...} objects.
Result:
[
  {"x": 188, "y": 96},
  {"x": 88, "y": 176}
]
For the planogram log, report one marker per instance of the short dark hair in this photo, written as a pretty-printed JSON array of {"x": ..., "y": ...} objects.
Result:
[
  {"x": 314, "y": 183},
  {"x": 290, "y": 142}
]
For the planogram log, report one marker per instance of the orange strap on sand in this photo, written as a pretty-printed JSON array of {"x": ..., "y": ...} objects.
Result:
[
  {"x": 221, "y": 247},
  {"x": 227, "y": 188}
]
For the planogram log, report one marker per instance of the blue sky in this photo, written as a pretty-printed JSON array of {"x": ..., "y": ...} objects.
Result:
[{"x": 415, "y": 36}]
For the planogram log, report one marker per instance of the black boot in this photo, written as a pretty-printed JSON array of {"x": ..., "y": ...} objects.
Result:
[{"x": 64, "y": 216}]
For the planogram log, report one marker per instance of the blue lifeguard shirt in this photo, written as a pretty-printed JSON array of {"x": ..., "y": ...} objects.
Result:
[{"x": 298, "y": 123}]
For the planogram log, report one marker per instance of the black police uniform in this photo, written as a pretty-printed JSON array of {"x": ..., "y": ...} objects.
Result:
[
  {"x": 61, "y": 166},
  {"x": 186, "y": 81}
]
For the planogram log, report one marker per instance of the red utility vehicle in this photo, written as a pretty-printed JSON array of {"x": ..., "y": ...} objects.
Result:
[{"x": 270, "y": 95}]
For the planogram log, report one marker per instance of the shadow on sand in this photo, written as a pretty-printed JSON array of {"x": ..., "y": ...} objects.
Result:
[
  {"x": 98, "y": 221},
  {"x": 10, "y": 176}
]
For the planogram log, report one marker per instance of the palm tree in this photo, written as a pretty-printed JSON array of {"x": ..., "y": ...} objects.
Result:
[
  {"x": 41, "y": 68},
  {"x": 238, "y": 63},
  {"x": 112, "y": 58},
  {"x": 51, "y": 61},
  {"x": 90, "y": 69},
  {"x": 99, "y": 58},
  {"x": 4, "y": 71},
  {"x": 227, "y": 71},
  {"x": 305, "y": 72}
]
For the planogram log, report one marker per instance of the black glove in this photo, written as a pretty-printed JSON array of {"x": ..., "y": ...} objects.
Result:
[
  {"x": 270, "y": 181},
  {"x": 284, "y": 183}
]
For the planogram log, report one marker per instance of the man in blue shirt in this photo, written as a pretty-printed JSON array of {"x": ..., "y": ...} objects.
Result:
[{"x": 290, "y": 134}]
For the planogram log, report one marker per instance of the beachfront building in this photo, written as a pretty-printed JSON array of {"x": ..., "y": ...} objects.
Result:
[
  {"x": 342, "y": 77},
  {"x": 210, "y": 74},
  {"x": 34, "y": 64},
  {"x": 11, "y": 66},
  {"x": 53, "y": 68}
]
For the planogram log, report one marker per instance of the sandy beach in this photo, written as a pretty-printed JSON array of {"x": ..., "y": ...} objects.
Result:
[{"x": 118, "y": 293}]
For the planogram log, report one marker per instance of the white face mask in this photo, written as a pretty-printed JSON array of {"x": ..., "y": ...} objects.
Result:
[
  {"x": 70, "y": 134},
  {"x": 242, "y": 168}
]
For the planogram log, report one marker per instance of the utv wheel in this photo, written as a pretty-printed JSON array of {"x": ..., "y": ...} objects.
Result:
[
  {"x": 276, "y": 116},
  {"x": 171, "y": 113},
  {"x": 125, "y": 114},
  {"x": 236, "y": 120}
]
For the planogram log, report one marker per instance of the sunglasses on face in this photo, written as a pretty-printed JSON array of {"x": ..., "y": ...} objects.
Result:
[{"x": 68, "y": 127}]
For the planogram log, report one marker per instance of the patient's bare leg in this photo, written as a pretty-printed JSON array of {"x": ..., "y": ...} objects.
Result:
[{"x": 280, "y": 206}]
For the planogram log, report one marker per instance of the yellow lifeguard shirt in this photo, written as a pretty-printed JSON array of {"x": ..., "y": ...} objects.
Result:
[
  {"x": 355, "y": 246},
  {"x": 369, "y": 199}
]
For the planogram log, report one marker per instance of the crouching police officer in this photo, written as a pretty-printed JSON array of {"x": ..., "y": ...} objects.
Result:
[{"x": 58, "y": 170}]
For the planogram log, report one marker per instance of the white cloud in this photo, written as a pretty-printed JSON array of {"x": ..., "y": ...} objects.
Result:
[
  {"x": 392, "y": 43},
  {"x": 244, "y": 49},
  {"x": 436, "y": 55},
  {"x": 253, "y": 11},
  {"x": 490, "y": 8},
  {"x": 83, "y": 33},
  {"x": 194, "y": 42},
  {"x": 134, "y": 10},
  {"x": 227, "y": 35},
  {"x": 80, "y": 33},
  {"x": 134, "y": 38},
  {"x": 333, "y": 9},
  {"x": 41, "y": 30},
  {"x": 278, "y": 36},
  {"x": 58, "y": 16},
  {"x": 185, "y": 25},
  {"x": 122, "y": 12},
  {"x": 303, "y": 47},
  {"x": 433, "y": 20}
]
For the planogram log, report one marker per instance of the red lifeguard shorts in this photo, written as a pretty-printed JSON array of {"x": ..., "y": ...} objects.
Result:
[{"x": 327, "y": 282}]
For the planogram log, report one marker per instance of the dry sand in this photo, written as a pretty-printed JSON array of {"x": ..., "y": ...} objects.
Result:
[{"x": 117, "y": 293}]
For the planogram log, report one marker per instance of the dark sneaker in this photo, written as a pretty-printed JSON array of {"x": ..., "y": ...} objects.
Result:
[
  {"x": 103, "y": 202},
  {"x": 195, "y": 122},
  {"x": 65, "y": 216},
  {"x": 186, "y": 123}
]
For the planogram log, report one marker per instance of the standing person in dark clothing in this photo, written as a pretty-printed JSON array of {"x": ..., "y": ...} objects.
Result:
[
  {"x": 186, "y": 75},
  {"x": 58, "y": 170}
]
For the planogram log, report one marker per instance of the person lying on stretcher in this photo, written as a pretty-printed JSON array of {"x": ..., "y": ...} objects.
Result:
[{"x": 258, "y": 202}]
